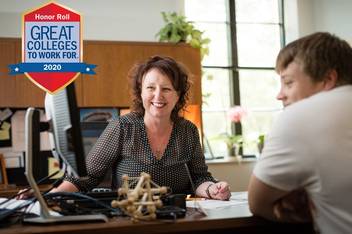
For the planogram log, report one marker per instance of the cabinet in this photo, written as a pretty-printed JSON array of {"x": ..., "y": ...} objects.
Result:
[
  {"x": 16, "y": 91},
  {"x": 7, "y": 56},
  {"x": 114, "y": 60},
  {"x": 110, "y": 86}
]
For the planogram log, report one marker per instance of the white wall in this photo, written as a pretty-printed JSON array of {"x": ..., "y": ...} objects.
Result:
[
  {"x": 303, "y": 17},
  {"x": 237, "y": 174},
  {"x": 334, "y": 16},
  {"x": 306, "y": 23},
  {"x": 119, "y": 20}
]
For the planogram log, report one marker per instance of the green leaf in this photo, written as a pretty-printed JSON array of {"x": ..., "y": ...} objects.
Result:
[
  {"x": 206, "y": 41},
  {"x": 210, "y": 77},
  {"x": 178, "y": 29},
  {"x": 194, "y": 43}
]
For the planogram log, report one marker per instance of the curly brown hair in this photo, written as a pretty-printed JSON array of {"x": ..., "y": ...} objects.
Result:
[
  {"x": 176, "y": 72},
  {"x": 319, "y": 53}
]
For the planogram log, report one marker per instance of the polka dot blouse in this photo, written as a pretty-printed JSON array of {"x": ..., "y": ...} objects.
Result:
[{"x": 124, "y": 148}]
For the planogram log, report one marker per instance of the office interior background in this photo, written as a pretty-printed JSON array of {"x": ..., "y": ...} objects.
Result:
[{"x": 246, "y": 36}]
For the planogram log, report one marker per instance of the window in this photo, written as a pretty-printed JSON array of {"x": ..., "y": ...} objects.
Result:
[{"x": 246, "y": 36}]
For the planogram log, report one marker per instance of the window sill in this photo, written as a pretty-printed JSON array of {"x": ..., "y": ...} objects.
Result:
[{"x": 237, "y": 159}]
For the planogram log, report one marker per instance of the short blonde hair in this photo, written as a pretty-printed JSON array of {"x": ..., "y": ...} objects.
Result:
[{"x": 319, "y": 53}]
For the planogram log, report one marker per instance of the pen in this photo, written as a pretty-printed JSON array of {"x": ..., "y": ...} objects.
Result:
[
  {"x": 190, "y": 179},
  {"x": 196, "y": 199},
  {"x": 189, "y": 198}
]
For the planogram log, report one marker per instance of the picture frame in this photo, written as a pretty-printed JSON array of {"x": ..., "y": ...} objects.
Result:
[{"x": 3, "y": 175}]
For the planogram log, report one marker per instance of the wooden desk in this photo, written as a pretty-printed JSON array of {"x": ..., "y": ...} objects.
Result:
[
  {"x": 236, "y": 219},
  {"x": 10, "y": 190}
]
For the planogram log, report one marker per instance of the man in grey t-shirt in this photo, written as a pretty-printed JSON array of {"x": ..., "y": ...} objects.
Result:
[{"x": 304, "y": 170}]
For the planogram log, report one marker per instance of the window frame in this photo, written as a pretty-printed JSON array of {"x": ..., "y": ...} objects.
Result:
[{"x": 233, "y": 68}]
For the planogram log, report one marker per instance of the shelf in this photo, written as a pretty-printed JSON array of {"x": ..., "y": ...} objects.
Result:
[{"x": 227, "y": 159}]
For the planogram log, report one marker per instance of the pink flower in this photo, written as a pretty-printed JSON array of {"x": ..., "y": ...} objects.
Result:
[{"x": 236, "y": 113}]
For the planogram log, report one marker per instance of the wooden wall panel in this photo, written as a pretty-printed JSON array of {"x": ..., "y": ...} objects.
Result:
[
  {"x": 27, "y": 93},
  {"x": 7, "y": 82},
  {"x": 18, "y": 91},
  {"x": 109, "y": 87},
  {"x": 114, "y": 59}
]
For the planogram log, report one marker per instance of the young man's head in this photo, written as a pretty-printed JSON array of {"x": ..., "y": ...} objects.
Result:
[{"x": 314, "y": 63}]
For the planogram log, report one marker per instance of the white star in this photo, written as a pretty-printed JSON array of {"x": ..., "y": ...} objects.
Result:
[
  {"x": 17, "y": 69},
  {"x": 87, "y": 69}
]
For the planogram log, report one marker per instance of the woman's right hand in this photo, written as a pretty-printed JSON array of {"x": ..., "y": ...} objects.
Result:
[
  {"x": 65, "y": 186},
  {"x": 25, "y": 194}
]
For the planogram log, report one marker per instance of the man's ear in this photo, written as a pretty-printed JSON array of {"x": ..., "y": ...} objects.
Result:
[{"x": 330, "y": 80}]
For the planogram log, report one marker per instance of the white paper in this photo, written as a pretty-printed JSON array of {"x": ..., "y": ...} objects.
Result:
[
  {"x": 18, "y": 132},
  {"x": 13, "y": 162},
  {"x": 44, "y": 136},
  {"x": 238, "y": 198},
  {"x": 5, "y": 114},
  {"x": 12, "y": 159},
  {"x": 33, "y": 209}
]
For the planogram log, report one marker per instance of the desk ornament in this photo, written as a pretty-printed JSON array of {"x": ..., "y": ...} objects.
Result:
[{"x": 141, "y": 202}]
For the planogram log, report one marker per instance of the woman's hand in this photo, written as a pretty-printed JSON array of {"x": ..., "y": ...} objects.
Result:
[
  {"x": 219, "y": 191},
  {"x": 24, "y": 194},
  {"x": 65, "y": 186}
]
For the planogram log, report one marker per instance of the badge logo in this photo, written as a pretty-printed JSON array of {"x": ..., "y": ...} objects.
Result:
[{"x": 52, "y": 48}]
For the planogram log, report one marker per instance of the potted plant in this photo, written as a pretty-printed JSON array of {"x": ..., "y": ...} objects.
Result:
[
  {"x": 178, "y": 29},
  {"x": 260, "y": 143},
  {"x": 233, "y": 141}
]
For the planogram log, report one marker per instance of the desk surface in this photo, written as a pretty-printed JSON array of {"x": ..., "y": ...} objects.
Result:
[
  {"x": 224, "y": 220},
  {"x": 10, "y": 190}
]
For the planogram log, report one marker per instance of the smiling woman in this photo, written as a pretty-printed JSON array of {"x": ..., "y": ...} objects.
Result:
[
  {"x": 173, "y": 75},
  {"x": 153, "y": 138},
  {"x": 158, "y": 94}
]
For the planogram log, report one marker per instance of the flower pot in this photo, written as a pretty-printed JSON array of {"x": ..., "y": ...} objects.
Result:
[{"x": 233, "y": 150}]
